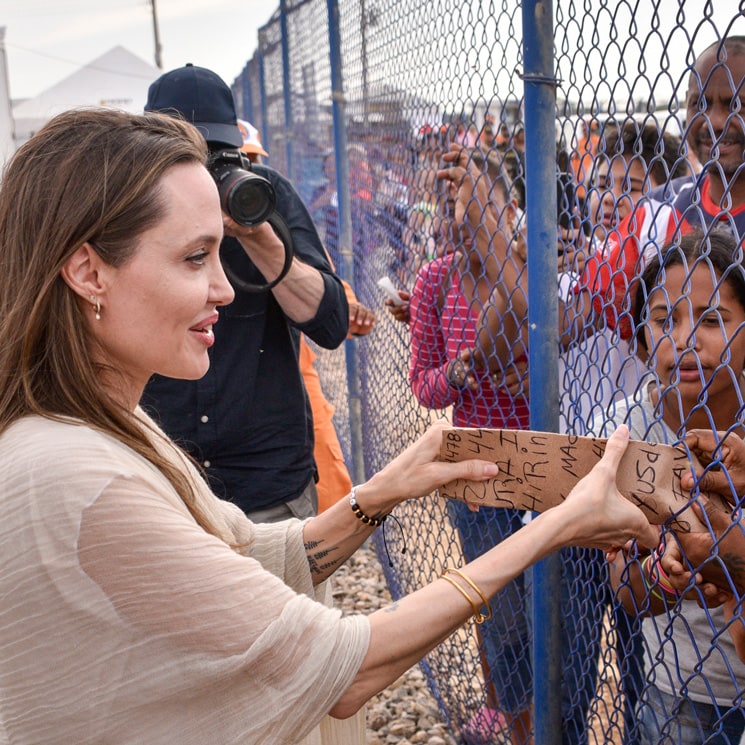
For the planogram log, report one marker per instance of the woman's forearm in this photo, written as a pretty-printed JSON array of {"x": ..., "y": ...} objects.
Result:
[
  {"x": 404, "y": 632},
  {"x": 332, "y": 537}
]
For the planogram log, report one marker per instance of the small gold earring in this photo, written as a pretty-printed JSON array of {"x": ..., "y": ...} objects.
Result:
[{"x": 97, "y": 304}]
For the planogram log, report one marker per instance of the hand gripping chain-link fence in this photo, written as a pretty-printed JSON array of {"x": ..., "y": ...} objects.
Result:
[{"x": 573, "y": 114}]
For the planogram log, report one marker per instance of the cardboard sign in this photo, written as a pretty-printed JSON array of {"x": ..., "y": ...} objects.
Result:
[{"x": 537, "y": 470}]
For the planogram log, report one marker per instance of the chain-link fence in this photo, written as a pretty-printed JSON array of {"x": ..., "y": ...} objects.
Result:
[{"x": 573, "y": 114}]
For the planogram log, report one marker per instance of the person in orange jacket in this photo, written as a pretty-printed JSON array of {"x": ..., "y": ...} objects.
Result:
[{"x": 334, "y": 480}]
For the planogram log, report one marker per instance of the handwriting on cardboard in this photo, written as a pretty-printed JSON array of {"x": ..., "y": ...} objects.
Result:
[{"x": 537, "y": 470}]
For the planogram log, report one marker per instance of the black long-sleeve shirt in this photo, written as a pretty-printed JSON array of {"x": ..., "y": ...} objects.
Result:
[{"x": 248, "y": 420}]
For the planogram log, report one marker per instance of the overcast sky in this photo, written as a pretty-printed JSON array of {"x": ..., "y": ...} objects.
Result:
[{"x": 47, "y": 40}]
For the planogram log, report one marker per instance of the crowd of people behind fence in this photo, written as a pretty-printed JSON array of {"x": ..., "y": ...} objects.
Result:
[
  {"x": 629, "y": 191},
  {"x": 172, "y": 614}
]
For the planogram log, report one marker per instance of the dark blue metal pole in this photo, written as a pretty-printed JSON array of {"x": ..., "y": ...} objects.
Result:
[
  {"x": 287, "y": 90},
  {"x": 247, "y": 98},
  {"x": 346, "y": 270},
  {"x": 264, "y": 126},
  {"x": 540, "y": 162}
]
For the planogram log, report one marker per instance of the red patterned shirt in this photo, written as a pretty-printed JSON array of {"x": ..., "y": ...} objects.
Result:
[{"x": 443, "y": 324}]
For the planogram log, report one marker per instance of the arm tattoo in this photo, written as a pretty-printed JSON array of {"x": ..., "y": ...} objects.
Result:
[{"x": 321, "y": 560}]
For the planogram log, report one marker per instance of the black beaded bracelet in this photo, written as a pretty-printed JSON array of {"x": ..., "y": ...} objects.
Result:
[{"x": 373, "y": 522}]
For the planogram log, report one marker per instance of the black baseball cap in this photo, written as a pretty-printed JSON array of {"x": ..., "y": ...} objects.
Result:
[{"x": 202, "y": 98}]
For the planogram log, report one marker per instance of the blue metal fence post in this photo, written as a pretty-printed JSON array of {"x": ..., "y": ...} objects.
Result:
[
  {"x": 247, "y": 98},
  {"x": 262, "y": 97},
  {"x": 540, "y": 162},
  {"x": 287, "y": 89},
  {"x": 346, "y": 270}
]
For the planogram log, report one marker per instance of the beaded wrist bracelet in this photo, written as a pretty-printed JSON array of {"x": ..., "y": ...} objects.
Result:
[{"x": 373, "y": 522}]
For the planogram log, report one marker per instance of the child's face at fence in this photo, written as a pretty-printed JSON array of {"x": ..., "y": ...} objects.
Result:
[
  {"x": 618, "y": 187},
  {"x": 694, "y": 332}
]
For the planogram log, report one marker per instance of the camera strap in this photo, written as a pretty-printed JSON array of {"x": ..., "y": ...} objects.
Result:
[{"x": 279, "y": 226}]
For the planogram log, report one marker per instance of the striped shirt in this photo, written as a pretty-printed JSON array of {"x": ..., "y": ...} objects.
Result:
[
  {"x": 684, "y": 204},
  {"x": 443, "y": 324}
]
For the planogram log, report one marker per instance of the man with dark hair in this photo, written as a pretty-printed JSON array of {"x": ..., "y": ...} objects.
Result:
[{"x": 248, "y": 421}]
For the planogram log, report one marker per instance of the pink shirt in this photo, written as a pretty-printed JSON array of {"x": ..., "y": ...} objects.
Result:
[{"x": 443, "y": 323}]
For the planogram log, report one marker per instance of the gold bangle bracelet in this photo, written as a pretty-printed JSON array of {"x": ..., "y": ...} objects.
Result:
[
  {"x": 473, "y": 585},
  {"x": 479, "y": 617},
  {"x": 476, "y": 612}
]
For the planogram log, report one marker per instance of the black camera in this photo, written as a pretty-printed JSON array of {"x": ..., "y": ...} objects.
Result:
[{"x": 244, "y": 195}]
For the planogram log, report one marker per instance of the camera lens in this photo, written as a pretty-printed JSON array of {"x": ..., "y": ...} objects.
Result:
[{"x": 248, "y": 198}]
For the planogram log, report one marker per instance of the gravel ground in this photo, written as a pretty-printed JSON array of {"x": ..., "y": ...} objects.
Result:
[{"x": 405, "y": 713}]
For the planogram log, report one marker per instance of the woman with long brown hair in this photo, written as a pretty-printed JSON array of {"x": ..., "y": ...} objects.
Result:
[{"x": 135, "y": 606}]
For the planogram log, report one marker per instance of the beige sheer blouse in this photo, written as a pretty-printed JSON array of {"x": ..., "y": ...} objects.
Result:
[{"x": 122, "y": 621}]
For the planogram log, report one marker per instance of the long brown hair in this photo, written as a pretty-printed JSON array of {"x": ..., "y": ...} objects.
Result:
[{"x": 88, "y": 175}]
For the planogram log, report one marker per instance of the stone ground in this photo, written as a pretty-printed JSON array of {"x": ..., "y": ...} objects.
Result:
[{"x": 406, "y": 712}]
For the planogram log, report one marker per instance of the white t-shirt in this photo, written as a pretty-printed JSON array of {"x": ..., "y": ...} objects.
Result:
[{"x": 595, "y": 372}]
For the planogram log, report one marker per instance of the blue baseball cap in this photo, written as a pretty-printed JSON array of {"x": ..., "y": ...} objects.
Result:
[{"x": 202, "y": 98}]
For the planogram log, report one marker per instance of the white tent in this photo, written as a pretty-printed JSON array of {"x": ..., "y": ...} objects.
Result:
[{"x": 117, "y": 79}]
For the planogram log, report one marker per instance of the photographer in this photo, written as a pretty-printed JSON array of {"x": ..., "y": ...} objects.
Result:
[{"x": 248, "y": 421}]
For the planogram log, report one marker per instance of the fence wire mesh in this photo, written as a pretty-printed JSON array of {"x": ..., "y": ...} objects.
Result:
[{"x": 417, "y": 77}]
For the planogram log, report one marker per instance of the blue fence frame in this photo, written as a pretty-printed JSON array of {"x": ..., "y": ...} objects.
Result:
[{"x": 380, "y": 84}]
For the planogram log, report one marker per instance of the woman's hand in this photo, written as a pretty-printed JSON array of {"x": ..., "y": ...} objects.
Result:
[
  {"x": 417, "y": 472},
  {"x": 599, "y": 516}
]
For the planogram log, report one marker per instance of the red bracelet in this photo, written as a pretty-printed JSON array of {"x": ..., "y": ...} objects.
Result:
[{"x": 663, "y": 579}]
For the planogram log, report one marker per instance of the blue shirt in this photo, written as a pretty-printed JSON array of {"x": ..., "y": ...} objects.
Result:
[{"x": 248, "y": 420}]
